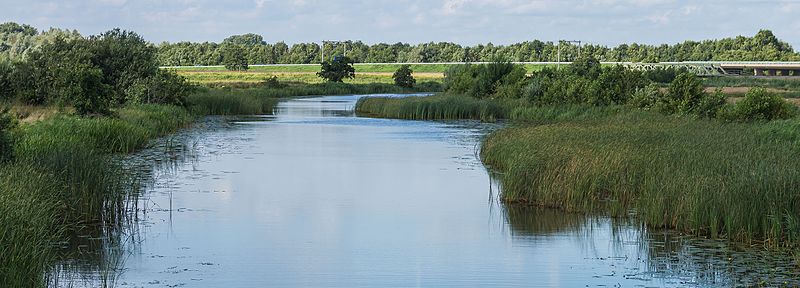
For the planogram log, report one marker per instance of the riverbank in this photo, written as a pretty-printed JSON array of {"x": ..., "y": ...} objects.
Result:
[
  {"x": 706, "y": 177},
  {"x": 722, "y": 172},
  {"x": 66, "y": 177}
]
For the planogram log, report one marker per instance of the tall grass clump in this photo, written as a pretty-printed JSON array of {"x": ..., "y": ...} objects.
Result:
[
  {"x": 435, "y": 107},
  {"x": 30, "y": 225},
  {"x": 232, "y": 102},
  {"x": 732, "y": 180},
  {"x": 65, "y": 180}
]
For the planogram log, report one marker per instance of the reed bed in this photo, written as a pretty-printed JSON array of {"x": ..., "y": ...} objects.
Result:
[
  {"x": 437, "y": 107},
  {"x": 728, "y": 180},
  {"x": 64, "y": 179}
]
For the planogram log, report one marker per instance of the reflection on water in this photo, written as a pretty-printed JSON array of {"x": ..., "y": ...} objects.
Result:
[{"x": 315, "y": 196}]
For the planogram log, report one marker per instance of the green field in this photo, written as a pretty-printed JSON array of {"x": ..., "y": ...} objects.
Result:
[{"x": 363, "y": 68}]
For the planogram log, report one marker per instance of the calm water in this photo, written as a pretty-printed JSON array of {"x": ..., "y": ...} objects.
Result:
[{"x": 317, "y": 197}]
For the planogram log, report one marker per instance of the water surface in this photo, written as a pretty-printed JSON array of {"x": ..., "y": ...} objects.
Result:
[{"x": 315, "y": 196}]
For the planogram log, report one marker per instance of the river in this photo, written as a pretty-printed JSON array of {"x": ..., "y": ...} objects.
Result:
[{"x": 317, "y": 197}]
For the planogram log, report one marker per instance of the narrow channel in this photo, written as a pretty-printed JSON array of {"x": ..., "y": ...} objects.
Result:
[{"x": 316, "y": 196}]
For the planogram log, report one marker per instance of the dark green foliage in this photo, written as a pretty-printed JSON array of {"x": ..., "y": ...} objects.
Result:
[
  {"x": 586, "y": 67},
  {"x": 761, "y": 105},
  {"x": 124, "y": 58},
  {"x": 762, "y": 47},
  {"x": 7, "y": 90},
  {"x": 403, "y": 77},
  {"x": 248, "y": 39},
  {"x": 14, "y": 28},
  {"x": 482, "y": 80},
  {"x": 62, "y": 72},
  {"x": 88, "y": 92},
  {"x": 649, "y": 97},
  {"x": 586, "y": 82},
  {"x": 93, "y": 74},
  {"x": 685, "y": 93},
  {"x": 711, "y": 104},
  {"x": 234, "y": 58},
  {"x": 337, "y": 69},
  {"x": 165, "y": 87},
  {"x": 663, "y": 74},
  {"x": 6, "y": 140}
]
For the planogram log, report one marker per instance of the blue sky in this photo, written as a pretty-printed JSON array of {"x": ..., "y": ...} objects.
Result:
[{"x": 607, "y": 22}]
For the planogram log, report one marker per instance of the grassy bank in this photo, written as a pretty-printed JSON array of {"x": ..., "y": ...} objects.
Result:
[
  {"x": 730, "y": 180},
  {"x": 65, "y": 179},
  {"x": 436, "y": 107}
]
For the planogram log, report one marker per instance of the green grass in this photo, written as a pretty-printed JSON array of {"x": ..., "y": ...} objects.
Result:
[
  {"x": 261, "y": 100},
  {"x": 731, "y": 180},
  {"x": 792, "y": 84},
  {"x": 364, "y": 68},
  {"x": 30, "y": 225},
  {"x": 219, "y": 78},
  {"x": 435, "y": 107},
  {"x": 65, "y": 179}
]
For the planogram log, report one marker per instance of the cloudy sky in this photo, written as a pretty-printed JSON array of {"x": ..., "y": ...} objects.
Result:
[{"x": 608, "y": 22}]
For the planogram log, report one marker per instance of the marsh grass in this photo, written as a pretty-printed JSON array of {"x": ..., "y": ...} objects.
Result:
[
  {"x": 437, "y": 107},
  {"x": 728, "y": 180},
  {"x": 786, "y": 83},
  {"x": 65, "y": 179},
  {"x": 261, "y": 100}
]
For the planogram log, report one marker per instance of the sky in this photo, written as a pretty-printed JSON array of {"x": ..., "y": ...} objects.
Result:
[{"x": 467, "y": 22}]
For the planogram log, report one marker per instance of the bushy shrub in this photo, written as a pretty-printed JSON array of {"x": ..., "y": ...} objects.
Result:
[
  {"x": 587, "y": 66},
  {"x": 165, "y": 87},
  {"x": 617, "y": 85},
  {"x": 484, "y": 80},
  {"x": 759, "y": 104},
  {"x": 124, "y": 58},
  {"x": 647, "y": 98},
  {"x": 663, "y": 74},
  {"x": 710, "y": 105},
  {"x": 685, "y": 93},
  {"x": 6, "y": 142},
  {"x": 404, "y": 77},
  {"x": 6, "y": 81}
]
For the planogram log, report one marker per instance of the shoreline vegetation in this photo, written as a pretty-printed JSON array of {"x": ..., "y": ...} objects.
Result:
[
  {"x": 77, "y": 104},
  {"x": 586, "y": 137},
  {"x": 64, "y": 178},
  {"x": 592, "y": 139}
]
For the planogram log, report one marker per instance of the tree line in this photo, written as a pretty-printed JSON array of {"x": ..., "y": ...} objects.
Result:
[
  {"x": 764, "y": 46},
  {"x": 587, "y": 82},
  {"x": 16, "y": 40},
  {"x": 92, "y": 74}
]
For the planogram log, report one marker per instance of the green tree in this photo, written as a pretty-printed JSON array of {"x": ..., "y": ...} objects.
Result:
[
  {"x": 337, "y": 70},
  {"x": 124, "y": 57},
  {"x": 759, "y": 104},
  {"x": 234, "y": 58},
  {"x": 166, "y": 87},
  {"x": 685, "y": 93},
  {"x": 7, "y": 91},
  {"x": 403, "y": 77},
  {"x": 248, "y": 39}
]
